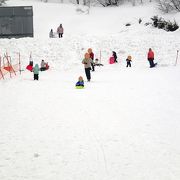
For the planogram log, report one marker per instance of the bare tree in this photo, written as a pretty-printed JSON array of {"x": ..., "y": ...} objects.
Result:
[
  {"x": 176, "y": 4},
  {"x": 2, "y": 2},
  {"x": 169, "y": 5},
  {"x": 164, "y": 6}
]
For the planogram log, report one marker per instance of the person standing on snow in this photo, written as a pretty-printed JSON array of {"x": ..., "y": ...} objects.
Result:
[
  {"x": 92, "y": 58},
  {"x": 60, "y": 31},
  {"x": 87, "y": 65},
  {"x": 150, "y": 58},
  {"x": 128, "y": 60},
  {"x": 36, "y": 72},
  {"x": 115, "y": 56},
  {"x": 51, "y": 34}
]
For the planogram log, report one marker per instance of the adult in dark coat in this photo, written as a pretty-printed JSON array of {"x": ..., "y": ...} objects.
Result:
[
  {"x": 92, "y": 57},
  {"x": 115, "y": 56}
]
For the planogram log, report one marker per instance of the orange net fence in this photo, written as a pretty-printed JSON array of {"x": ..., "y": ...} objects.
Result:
[{"x": 8, "y": 67}]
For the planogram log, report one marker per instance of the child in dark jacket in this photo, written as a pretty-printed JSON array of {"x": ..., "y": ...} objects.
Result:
[
  {"x": 115, "y": 56},
  {"x": 92, "y": 57},
  {"x": 128, "y": 60},
  {"x": 80, "y": 83}
]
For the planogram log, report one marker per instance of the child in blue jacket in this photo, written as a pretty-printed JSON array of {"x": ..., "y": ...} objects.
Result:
[{"x": 80, "y": 83}]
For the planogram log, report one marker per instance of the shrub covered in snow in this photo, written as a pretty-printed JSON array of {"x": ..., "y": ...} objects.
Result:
[{"x": 160, "y": 23}]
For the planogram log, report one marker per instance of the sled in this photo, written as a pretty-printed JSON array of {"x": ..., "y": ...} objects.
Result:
[
  {"x": 29, "y": 67},
  {"x": 98, "y": 64},
  {"x": 79, "y": 87},
  {"x": 111, "y": 60}
]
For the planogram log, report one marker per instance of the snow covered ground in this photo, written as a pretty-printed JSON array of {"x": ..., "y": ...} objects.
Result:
[{"x": 122, "y": 125}]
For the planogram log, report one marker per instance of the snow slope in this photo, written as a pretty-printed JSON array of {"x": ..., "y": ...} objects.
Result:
[{"x": 123, "y": 125}]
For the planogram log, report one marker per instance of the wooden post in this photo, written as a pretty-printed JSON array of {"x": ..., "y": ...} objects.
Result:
[
  {"x": 0, "y": 69},
  {"x": 19, "y": 63},
  {"x": 176, "y": 57}
]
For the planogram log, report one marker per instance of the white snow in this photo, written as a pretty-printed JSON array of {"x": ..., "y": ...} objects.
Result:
[{"x": 123, "y": 125}]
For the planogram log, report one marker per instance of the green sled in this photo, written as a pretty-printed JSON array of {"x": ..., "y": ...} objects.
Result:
[{"x": 79, "y": 87}]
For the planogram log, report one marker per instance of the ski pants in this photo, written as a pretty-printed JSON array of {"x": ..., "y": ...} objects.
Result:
[
  {"x": 92, "y": 65},
  {"x": 60, "y": 35},
  {"x": 151, "y": 62},
  {"x": 88, "y": 73},
  {"x": 36, "y": 76},
  {"x": 128, "y": 64}
]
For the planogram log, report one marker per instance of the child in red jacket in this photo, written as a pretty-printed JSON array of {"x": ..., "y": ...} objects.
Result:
[{"x": 150, "y": 58}]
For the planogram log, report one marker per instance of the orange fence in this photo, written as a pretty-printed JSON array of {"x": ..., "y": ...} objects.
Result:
[{"x": 6, "y": 67}]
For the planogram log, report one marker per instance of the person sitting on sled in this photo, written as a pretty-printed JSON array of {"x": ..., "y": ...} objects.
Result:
[
  {"x": 47, "y": 66},
  {"x": 80, "y": 83},
  {"x": 43, "y": 65},
  {"x": 97, "y": 62}
]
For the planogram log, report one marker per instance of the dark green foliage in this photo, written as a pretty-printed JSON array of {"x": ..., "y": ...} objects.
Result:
[
  {"x": 140, "y": 20},
  {"x": 147, "y": 24},
  {"x": 172, "y": 26},
  {"x": 162, "y": 24},
  {"x": 128, "y": 24},
  {"x": 155, "y": 21}
]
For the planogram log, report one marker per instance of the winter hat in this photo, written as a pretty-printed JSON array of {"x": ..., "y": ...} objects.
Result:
[{"x": 86, "y": 55}]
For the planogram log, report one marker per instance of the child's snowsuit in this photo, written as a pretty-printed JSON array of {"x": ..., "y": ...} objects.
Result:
[
  {"x": 36, "y": 72},
  {"x": 80, "y": 83},
  {"x": 128, "y": 60}
]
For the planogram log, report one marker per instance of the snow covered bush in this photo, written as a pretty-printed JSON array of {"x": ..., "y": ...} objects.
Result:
[
  {"x": 106, "y": 3},
  {"x": 172, "y": 26},
  {"x": 82, "y": 9},
  {"x": 128, "y": 24},
  {"x": 162, "y": 24},
  {"x": 140, "y": 20}
]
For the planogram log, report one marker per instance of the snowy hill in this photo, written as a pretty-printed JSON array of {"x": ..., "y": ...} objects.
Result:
[
  {"x": 103, "y": 29},
  {"x": 122, "y": 125}
]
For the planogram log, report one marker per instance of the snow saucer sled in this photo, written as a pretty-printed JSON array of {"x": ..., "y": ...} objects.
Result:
[{"x": 79, "y": 87}]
